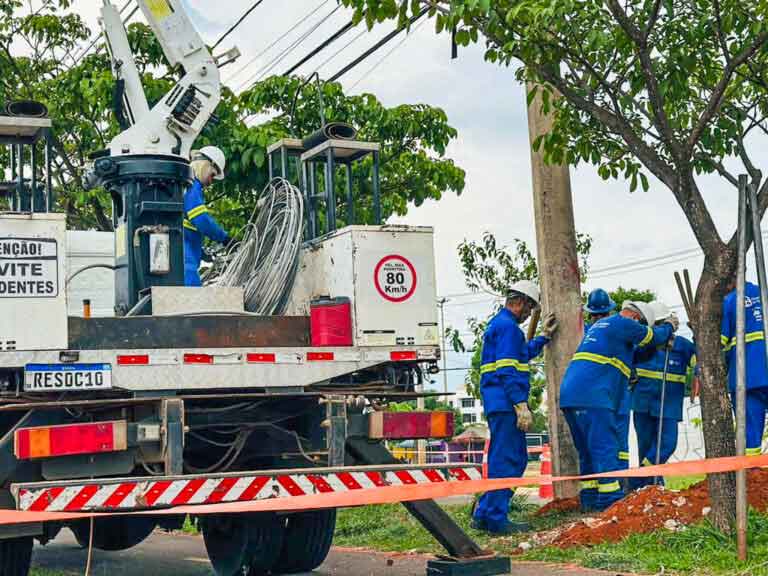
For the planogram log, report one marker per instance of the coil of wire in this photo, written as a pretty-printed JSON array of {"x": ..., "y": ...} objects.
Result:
[{"x": 265, "y": 262}]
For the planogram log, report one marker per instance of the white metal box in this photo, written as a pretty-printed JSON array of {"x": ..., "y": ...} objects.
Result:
[
  {"x": 388, "y": 273},
  {"x": 33, "y": 302},
  {"x": 91, "y": 248},
  {"x": 174, "y": 300}
]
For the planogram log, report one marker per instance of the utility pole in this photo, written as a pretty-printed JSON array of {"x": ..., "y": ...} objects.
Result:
[
  {"x": 444, "y": 352},
  {"x": 560, "y": 287}
]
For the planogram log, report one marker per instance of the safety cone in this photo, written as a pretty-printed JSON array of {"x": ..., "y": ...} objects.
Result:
[
  {"x": 546, "y": 491},
  {"x": 485, "y": 458}
]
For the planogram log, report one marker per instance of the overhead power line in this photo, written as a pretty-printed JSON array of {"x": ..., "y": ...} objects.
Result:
[
  {"x": 266, "y": 69},
  {"x": 80, "y": 55},
  {"x": 340, "y": 50},
  {"x": 236, "y": 24},
  {"x": 376, "y": 46},
  {"x": 327, "y": 42},
  {"x": 387, "y": 55},
  {"x": 278, "y": 40}
]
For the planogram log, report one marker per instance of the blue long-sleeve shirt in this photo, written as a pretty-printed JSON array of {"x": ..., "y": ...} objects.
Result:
[
  {"x": 757, "y": 374},
  {"x": 646, "y": 396},
  {"x": 598, "y": 374},
  {"x": 505, "y": 371},
  {"x": 198, "y": 223}
]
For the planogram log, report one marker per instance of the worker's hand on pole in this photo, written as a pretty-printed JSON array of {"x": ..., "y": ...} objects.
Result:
[
  {"x": 695, "y": 388},
  {"x": 524, "y": 416},
  {"x": 550, "y": 325},
  {"x": 673, "y": 321}
]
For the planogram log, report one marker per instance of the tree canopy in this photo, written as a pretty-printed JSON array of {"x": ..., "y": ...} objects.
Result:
[{"x": 41, "y": 58}]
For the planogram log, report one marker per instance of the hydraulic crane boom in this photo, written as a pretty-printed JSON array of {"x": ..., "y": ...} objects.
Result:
[{"x": 172, "y": 125}]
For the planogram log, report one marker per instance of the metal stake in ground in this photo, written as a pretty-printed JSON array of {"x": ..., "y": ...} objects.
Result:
[
  {"x": 661, "y": 406},
  {"x": 741, "y": 438}
]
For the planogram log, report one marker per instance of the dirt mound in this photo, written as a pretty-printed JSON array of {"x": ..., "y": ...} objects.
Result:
[
  {"x": 653, "y": 508},
  {"x": 559, "y": 505}
]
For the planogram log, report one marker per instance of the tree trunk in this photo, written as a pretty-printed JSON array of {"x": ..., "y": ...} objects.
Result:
[{"x": 717, "y": 416}]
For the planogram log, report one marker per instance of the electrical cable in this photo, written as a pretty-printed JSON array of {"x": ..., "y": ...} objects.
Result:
[
  {"x": 84, "y": 53},
  {"x": 264, "y": 70},
  {"x": 377, "y": 46},
  {"x": 340, "y": 50},
  {"x": 275, "y": 42},
  {"x": 236, "y": 24},
  {"x": 323, "y": 45},
  {"x": 388, "y": 54},
  {"x": 264, "y": 264},
  {"x": 92, "y": 267}
]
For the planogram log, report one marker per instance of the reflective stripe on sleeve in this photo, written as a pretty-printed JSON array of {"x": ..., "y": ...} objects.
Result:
[
  {"x": 647, "y": 339},
  {"x": 749, "y": 337},
  {"x": 624, "y": 456},
  {"x": 504, "y": 363},
  {"x": 189, "y": 226},
  {"x": 196, "y": 211},
  {"x": 600, "y": 359},
  {"x": 588, "y": 484}
]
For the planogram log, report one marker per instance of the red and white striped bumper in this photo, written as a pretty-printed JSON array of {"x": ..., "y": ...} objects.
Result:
[{"x": 157, "y": 492}]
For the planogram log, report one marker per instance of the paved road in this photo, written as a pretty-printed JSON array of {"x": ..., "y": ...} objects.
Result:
[{"x": 183, "y": 555}]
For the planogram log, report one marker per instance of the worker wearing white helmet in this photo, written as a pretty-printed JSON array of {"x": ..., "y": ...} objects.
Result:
[
  {"x": 593, "y": 389},
  {"x": 207, "y": 165},
  {"x": 504, "y": 386},
  {"x": 679, "y": 356}
]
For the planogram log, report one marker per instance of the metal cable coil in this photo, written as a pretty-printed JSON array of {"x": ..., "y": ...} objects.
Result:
[{"x": 264, "y": 264}]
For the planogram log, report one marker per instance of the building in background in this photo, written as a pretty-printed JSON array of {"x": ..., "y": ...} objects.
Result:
[{"x": 470, "y": 407}]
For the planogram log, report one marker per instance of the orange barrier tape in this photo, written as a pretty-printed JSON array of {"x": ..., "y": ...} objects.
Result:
[{"x": 395, "y": 494}]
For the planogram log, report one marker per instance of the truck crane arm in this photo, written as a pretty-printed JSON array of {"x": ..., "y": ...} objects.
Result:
[{"x": 174, "y": 123}]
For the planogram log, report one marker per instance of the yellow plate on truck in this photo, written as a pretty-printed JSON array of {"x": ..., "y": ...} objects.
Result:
[{"x": 67, "y": 377}]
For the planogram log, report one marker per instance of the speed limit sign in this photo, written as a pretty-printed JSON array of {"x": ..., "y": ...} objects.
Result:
[{"x": 395, "y": 278}]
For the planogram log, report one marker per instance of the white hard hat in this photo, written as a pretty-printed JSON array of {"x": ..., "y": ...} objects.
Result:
[
  {"x": 645, "y": 310},
  {"x": 217, "y": 158},
  {"x": 527, "y": 288},
  {"x": 660, "y": 310}
]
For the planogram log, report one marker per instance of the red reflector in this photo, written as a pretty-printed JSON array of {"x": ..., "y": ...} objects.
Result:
[
  {"x": 198, "y": 359},
  {"x": 261, "y": 358},
  {"x": 133, "y": 360},
  {"x": 319, "y": 356},
  {"x": 70, "y": 439},
  {"x": 406, "y": 425},
  {"x": 400, "y": 356}
]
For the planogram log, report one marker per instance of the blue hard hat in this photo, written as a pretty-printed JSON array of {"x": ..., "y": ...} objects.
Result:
[{"x": 599, "y": 302}]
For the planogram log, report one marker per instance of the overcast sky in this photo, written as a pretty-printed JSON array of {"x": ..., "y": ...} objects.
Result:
[{"x": 487, "y": 106}]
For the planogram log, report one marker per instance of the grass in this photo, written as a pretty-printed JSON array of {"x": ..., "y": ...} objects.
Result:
[
  {"x": 42, "y": 572},
  {"x": 683, "y": 482}
]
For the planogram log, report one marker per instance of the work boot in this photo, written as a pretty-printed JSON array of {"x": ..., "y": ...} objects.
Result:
[{"x": 478, "y": 524}]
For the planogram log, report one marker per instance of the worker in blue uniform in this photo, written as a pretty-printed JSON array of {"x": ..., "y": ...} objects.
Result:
[
  {"x": 599, "y": 305},
  {"x": 756, "y": 371},
  {"x": 593, "y": 388},
  {"x": 679, "y": 354},
  {"x": 207, "y": 165},
  {"x": 504, "y": 386}
]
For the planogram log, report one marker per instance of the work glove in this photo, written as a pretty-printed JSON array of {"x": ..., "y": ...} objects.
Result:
[
  {"x": 550, "y": 325},
  {"x": 674, "y": 322},
  {"x": 524, "y": 416}
]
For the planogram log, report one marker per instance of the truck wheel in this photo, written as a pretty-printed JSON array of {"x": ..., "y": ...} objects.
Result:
[
  {"x": 113, "y": 534},
  {"x": 308, "y": 539},
  {"x": 243, "y": 543},
  {"x": 15, "y": 556}
]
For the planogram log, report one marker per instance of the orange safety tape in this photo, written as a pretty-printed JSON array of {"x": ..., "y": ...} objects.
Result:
[{"x": 394, "y": 494}]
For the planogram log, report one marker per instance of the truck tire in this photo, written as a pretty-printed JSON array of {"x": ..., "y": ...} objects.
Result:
[
  {"x": 243, "y": 543},
  {"x": 15, "y": 556},
  {"x": 308, "y": 538},
  {"x": 113, "y": 534}
]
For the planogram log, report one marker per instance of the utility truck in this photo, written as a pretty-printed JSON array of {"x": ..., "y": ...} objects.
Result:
[{"x": 180, "y": 396}]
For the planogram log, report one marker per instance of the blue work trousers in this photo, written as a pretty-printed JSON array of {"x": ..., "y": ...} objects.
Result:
[
  {"x": 595, "y": 433},
  {"x": 622, "y": 423},
  {"x": 647, "y": 430},
  {"x": 757, "y": 404},
  {"x": 507, "y": 458}
]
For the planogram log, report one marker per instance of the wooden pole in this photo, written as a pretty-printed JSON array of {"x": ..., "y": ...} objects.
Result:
[{"x": 560, "y": 288}]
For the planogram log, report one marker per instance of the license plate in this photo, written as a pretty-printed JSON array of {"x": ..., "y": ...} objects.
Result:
[{"x": 67, "y": 377}]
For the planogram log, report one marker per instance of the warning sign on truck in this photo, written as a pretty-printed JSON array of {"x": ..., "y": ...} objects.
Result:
[
  {"x": 28, "y": 268},
  {"x": 395, "y": 278}
]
